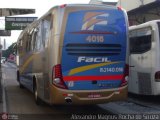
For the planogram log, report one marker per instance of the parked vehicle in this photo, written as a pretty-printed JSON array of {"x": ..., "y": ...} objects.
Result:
[
  {"x": 145, "y": 58},
  {"x": 3, "y": 59}
]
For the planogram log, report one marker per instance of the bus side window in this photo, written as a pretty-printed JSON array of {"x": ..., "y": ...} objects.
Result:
[
  {"x": 25, "y": 42},
  {"x": 46, "y": 23},
  {"x": 19, "y": 46},
  {"x": 38, "y": 40},
  {"x": 33, "y": 38},
  {"x": 139, "y": 45},
  {"x": 28, "y": 43}
]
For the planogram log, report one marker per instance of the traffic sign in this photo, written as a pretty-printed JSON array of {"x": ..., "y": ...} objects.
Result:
[
  {"x": 18, "y": 23},
  {"x": 5, "y": 33}
]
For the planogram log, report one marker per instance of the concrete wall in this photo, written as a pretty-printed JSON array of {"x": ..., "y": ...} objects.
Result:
[
  {"x": 126, "y": 4},
  {"x": 132, "y": 4},
  {"x": 108, "y": 2},
  {"x": 95, "y": 2}
]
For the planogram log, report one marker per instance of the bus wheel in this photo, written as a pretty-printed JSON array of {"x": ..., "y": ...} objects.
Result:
[
  {"x": 18, "y": 79},
  {"x": 20, "y": 85},
  {"x": 37, "y": 99},
  {"x": 18, "y": 76}
]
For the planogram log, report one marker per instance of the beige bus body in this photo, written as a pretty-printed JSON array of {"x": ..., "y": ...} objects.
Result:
[{"x": 39, "y": 49}]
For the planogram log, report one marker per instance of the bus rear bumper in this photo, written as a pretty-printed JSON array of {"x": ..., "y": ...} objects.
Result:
[{"x": 61, "y": 96}]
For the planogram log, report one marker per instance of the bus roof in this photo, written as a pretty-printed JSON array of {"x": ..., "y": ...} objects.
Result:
[{"x": 98, "y": 6}]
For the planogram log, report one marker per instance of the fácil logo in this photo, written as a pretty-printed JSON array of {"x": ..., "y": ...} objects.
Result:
[
  {"x": 93, "y": 59},
  {"x": 93, "y": 18}
]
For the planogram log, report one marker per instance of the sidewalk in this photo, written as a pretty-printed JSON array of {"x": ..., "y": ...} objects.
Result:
[{"x": 131, "y": 106}]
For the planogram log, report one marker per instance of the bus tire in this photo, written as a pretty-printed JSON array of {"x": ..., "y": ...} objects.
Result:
[
  {"x": 18, "y": 76},
  {"x": 18, "y": 79},
  {"x": 37, "y": 99},
  {"x": 20, "y": 85}
]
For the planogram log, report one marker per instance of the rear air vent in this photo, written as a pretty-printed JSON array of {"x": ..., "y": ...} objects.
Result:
[{"x": 93, "y": 49}]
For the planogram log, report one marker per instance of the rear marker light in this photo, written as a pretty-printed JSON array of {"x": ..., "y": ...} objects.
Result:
[
  {"x": 63, "y": 6},
  {"x": 119, "y": 8},
  {"x": 67, "y": 94},
  {"x": 57, "y": 77}
]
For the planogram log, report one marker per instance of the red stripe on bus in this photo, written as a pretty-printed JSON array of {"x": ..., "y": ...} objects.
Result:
[{"x": 81, "y": 78}]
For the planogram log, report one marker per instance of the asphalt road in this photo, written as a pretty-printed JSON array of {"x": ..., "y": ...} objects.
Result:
[{"x": 19, "y": 103}]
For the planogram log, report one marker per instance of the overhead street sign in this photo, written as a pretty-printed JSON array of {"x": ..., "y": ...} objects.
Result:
[
  {"x": 18, "y": 23},
  {"x": 5, "y": 33},
  {"x": 15, "y": 11}
]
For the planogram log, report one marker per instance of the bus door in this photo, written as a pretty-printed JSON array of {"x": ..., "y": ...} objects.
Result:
[{"x": 140, "y": 61}]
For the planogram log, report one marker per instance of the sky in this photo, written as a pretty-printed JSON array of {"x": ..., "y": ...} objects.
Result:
[{"x": 41, "y": 6}]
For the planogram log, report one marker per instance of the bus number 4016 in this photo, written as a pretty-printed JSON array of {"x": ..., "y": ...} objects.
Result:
[{"x": 94, "y": 38}]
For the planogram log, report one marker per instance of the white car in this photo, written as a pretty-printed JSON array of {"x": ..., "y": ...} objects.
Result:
[{"x": 3, "y": 59}]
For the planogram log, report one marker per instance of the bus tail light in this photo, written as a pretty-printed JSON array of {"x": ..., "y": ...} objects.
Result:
[
  {"x": 125, "y": 77},
  {"x": 63, "y": 6},
  {"x": 119, "y": 8},
  {"x": 157, "y": 76},
  {"x": 57, "y": 78}
]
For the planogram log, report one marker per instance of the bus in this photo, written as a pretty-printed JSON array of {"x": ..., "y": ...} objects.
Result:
[
  {"x": 75, "y": 54},
  {"x": 144, "y": 59}
]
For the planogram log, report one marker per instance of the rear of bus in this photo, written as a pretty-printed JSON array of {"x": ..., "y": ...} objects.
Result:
[{"x": 94, "y": 65}]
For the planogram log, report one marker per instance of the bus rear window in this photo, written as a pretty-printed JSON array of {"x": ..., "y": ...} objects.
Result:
[{"x": 140, "y": 44}]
